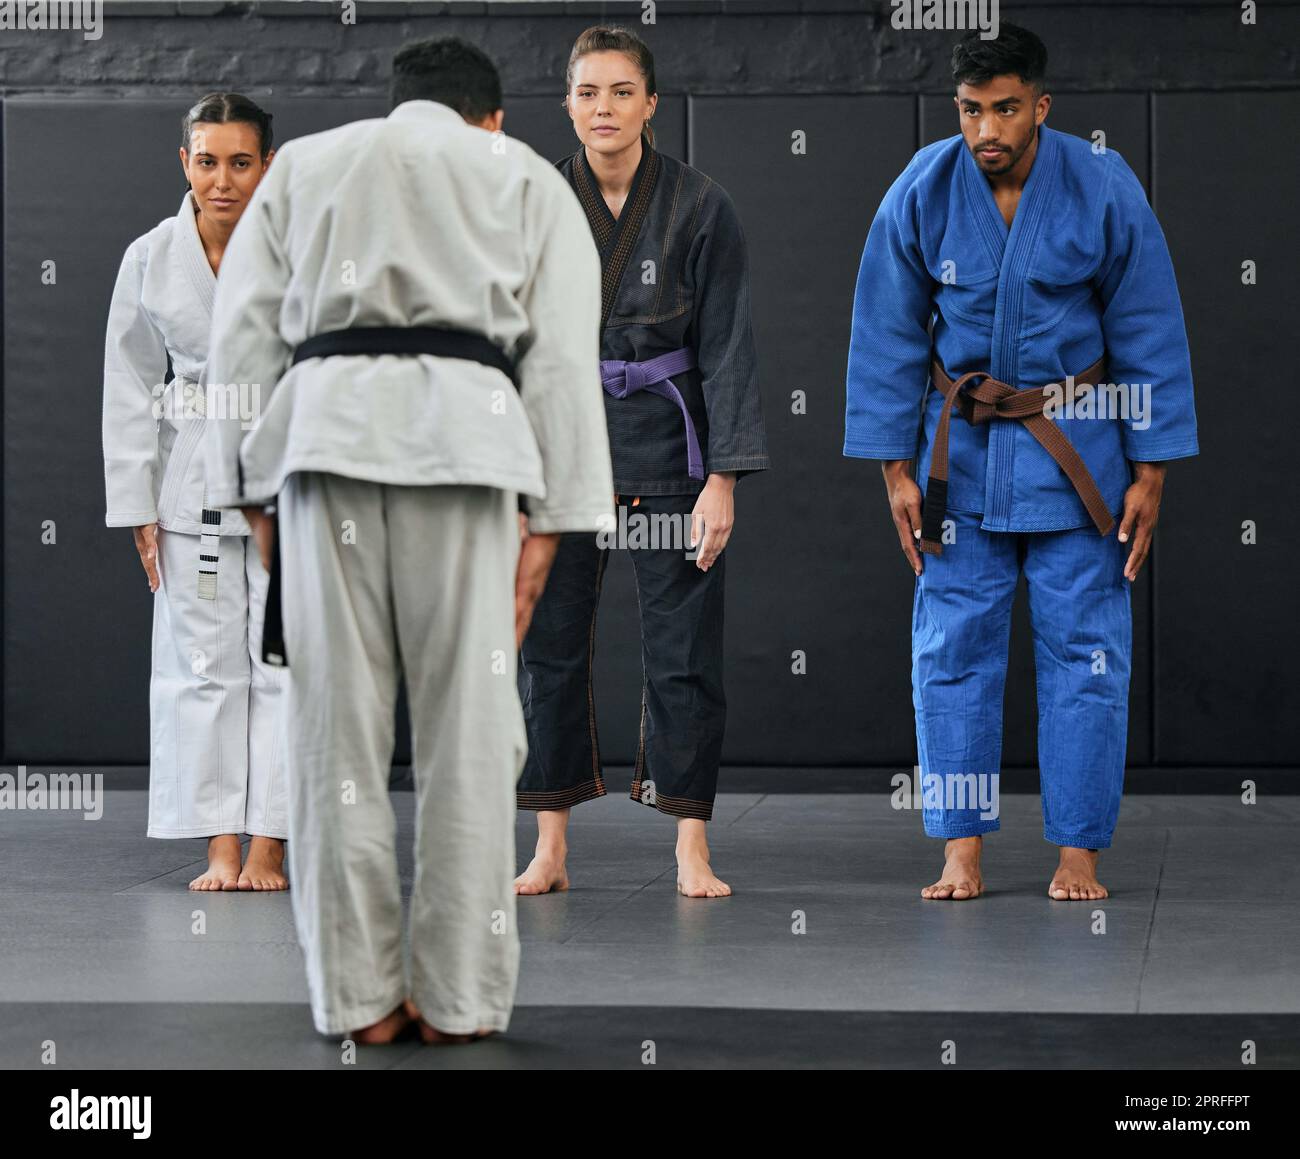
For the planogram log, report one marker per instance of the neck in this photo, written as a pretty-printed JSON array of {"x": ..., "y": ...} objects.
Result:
[
  {"x": 214, "y": 235},
  {"x": 614, "y": 171}
]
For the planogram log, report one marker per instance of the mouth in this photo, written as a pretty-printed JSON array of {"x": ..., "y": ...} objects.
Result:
[
  {"x": 990, "y": 154},
  {"x": 221, "y": 201},
  {"x": 605, "y": 129}
]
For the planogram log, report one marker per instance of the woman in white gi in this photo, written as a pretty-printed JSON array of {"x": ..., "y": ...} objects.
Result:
[{"x": 216, "y": 766}]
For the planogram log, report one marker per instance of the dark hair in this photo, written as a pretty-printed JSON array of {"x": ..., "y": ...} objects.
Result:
[
  {"x": 448, "y": 70},
  {"x": 607, "y": 38},
  {"x": 224, "y": 108},
  {"x": 1015, "y": 51}
]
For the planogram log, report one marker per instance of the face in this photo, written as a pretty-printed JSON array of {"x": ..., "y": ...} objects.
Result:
[
  {"x": 608, "y": 102},
  {"x": 999, "y": 121},
  {"x": 223, "y": 166}
]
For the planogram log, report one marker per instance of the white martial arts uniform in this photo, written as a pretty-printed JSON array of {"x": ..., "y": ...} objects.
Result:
[
  {"x": 397, "y": 480},
  {"x": 217, "y": 762}
]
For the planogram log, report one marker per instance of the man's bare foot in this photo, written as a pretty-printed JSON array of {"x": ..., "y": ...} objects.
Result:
[
  {"x": 695, "y": 877},
  {"x": 223, "y": 864},
  {"x": 961, "y": 878},
  {"x": 387, "y": 1029},
  {"x": 546, "y": 872},
  {"x": 435, "y": 1037},
  {"x": 1076, "y": 877},
  {"x": 264, "y": 868}
]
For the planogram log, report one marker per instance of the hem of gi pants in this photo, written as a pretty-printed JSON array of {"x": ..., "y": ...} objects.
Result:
[
  {"x": 498, "y": 1020},
  {"x": 279, "y": 834},
  {"x": 965, "y": 829},
  {"x": 676, "y": 806},
  {"x": 1077, "y": 840},
  {"x": 359, "y": 1016},
  {"x": 198, "y": 831},
  {"x": 554, "y": 801}
]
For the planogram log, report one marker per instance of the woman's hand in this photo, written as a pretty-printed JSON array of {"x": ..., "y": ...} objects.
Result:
[
  {"x": 715, "y": 509},
  {"x": 146, "y": 543}
]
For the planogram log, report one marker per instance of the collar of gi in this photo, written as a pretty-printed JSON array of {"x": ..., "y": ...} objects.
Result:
[{"x": 417, "y": 110}]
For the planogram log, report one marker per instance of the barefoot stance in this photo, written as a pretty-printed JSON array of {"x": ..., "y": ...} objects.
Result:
[
  {"x": 961, "y": 878},
  {"x": 545, "y": 873},
  {"x": 1076, "y": 877},
  {"x": 696, "y": 879},
  {"x": 434, "y": 1037},
  {"x": 387, "y": 1029},
  {"x": 264, "y": 868},
  {"x": 223, "y": 865}
]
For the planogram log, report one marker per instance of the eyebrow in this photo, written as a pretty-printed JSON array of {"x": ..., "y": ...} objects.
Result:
[
  {"x": 592, "y": 85},
  {"x": 996, "y": 104},
  {"x": 209, "y": 153}
]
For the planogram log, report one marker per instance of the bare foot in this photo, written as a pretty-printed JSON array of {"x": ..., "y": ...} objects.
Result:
[
  {"x": 387, "y": 1029},
  {"x": 264, "y": 868},
  {"x": 1076, "y": 877},
  {"x": 435, "y": 1037},
  {"x": 223, "y": 864},
  {"x": 695, "y": 877},
  {"x": 546, "y": 872},
  {"x": 961, "y": 878}
]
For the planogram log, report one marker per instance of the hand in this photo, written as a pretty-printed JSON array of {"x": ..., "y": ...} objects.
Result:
[
  {"x": 713, "y": 517},
  {"x": 1141, "y": 510},
  {"x": 263, "y": 530},
  {"x": 146, "y": 543},
  {"x": 905, "y": 506},
  {"x": 535, "y": 558}
]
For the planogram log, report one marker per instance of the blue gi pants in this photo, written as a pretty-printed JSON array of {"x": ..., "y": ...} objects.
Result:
[{"x": 1082, "y": 627}]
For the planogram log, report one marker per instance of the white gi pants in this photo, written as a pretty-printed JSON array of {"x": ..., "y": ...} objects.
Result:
[
  {"x": 217, "y": 760},
  {"x": 379, "y": 578}
]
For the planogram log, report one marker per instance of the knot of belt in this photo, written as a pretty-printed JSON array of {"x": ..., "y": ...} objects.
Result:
[
  {"x": 655, "y": 375},
  {"x": 990, "y": 398}
]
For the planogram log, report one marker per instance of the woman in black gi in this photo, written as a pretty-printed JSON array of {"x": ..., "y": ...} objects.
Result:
[{"x": 685, "y": 422}]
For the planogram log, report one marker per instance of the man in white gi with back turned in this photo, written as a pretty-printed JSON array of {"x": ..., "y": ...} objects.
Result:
[{"x": 385, "y": 282}]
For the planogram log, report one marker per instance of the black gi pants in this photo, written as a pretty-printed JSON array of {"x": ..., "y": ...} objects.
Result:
[{"x": 683, "y": 707}]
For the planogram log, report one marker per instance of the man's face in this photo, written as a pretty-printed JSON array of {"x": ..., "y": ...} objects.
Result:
[{"x": 999, "y": 120}]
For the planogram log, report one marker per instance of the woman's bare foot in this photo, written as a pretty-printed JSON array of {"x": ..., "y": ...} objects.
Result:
[
  {"x": 223, "y": 864},
  {"x": 387, "y": 1029},
  {"x": 264, "y": 868},
  {"x": 1076, "y": 877},
  {"x": 547, "y": 872},
  {"x": 435, "y": 1037},
  {"x": 961, "y": 878},
  {"x": 695, "y": 878}
]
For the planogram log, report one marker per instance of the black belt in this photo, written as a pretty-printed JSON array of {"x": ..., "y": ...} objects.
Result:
[{"x": 373, "y": 340}]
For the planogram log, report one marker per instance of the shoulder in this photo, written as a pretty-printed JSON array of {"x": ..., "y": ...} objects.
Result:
[
  {"x": 1095, "y": 170},
  {"x": 708, "y": 203},
  {"x": 933, "y": 166},
  {"x": 152, "y": 244}
]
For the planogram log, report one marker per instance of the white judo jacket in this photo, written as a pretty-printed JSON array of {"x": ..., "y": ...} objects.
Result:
[
  {"x": 153, "y": 425},
  {"x": 416, "y": 219}
]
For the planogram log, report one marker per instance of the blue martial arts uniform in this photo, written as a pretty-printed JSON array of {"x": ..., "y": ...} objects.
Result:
[{"x": 1083, "y": 271}]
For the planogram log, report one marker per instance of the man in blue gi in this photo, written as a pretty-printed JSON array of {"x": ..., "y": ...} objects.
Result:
[{"x": 1022, "y": 272}]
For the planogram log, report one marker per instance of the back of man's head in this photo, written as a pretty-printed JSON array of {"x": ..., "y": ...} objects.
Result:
[{"x": 449, "y": 70}]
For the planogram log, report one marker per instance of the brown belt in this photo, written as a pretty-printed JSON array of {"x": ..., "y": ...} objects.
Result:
[{"x": 992, "y": 399}]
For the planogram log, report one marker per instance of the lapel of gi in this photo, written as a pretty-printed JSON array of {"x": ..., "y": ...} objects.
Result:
[
  {"x": 615, "y": 237},
  {"x": 193, "y": 256}
]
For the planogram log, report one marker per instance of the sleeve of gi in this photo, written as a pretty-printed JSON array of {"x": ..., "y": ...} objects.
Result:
[
  {"x": 889, "y": 346},
  {"x": 724, "y": 345},
  {"x": 246, "y": 352},
  {"x": 558, "y": 360},
  {"x": 1142, "y": 321},
  {"x": 135, "y": 364}
]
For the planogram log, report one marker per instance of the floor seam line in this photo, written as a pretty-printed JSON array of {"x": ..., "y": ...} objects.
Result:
[{"x": 1151, "y": 923}]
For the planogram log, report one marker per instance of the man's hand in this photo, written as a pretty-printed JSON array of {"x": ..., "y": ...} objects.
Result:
[
  {"x": 714, "y": 515},
  {"x": 146, "y": 543},
  {"x": 536, "y": 555},
  {"x": 263, "y": 529},
  {"x": 905, "y": 506},
  {"x": 1141, "y": 510}
]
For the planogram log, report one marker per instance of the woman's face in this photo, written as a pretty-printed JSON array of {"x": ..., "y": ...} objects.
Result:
[
  {"x": 608, "y": 102},
  {"x": 223, "y": 166}
]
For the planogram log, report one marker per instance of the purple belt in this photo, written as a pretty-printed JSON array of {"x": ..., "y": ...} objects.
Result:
[{"x": 623, "y": 378}]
